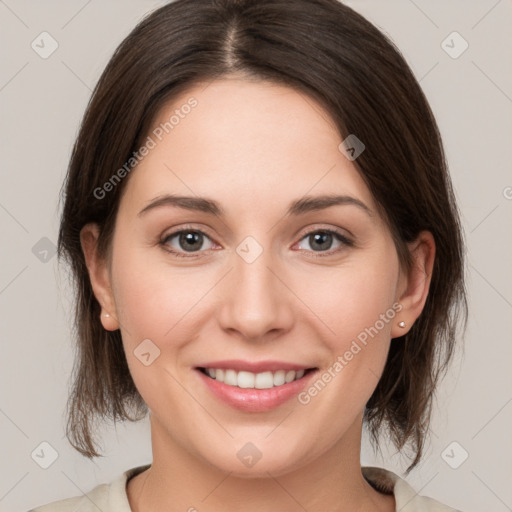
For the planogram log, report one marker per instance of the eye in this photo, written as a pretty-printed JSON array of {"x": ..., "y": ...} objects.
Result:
[
  {"x": 185, "y": 241},
  {"x": 190, "y": 243},
  {"x": 322, "y": 240}
]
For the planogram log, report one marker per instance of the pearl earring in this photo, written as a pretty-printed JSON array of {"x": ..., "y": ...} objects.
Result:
[
  {"x": 107, "y": 315},
  {"x": 401, "y": 324}
]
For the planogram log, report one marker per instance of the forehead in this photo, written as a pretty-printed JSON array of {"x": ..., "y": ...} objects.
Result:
[{"x": 244, "y": 141}]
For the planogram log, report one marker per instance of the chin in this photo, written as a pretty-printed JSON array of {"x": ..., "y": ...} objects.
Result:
[{"x": 252, "y": 462}]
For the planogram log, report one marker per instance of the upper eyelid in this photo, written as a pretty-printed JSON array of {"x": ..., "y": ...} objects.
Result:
[
  {"x": 185, "y": 229},
  {"x": 338, "y": 231}
]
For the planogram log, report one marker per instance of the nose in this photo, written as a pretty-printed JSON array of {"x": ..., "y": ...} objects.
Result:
[{"x": 256, "y": 303}]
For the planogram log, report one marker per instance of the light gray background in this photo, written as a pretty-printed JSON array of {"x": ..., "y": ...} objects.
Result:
[{"x": 42, "y": 102}]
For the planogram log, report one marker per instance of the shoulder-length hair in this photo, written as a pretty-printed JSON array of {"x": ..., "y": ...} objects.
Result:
[{"x": 329, "y": 52}]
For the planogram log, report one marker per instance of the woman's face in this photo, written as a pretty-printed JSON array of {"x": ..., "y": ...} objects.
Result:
[{"x": 273, "y": 276}]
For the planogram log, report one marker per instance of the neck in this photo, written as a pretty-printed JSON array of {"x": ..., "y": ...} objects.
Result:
[{"x": 181, "y": 480}]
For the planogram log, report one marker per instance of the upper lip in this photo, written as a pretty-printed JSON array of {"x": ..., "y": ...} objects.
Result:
[{"x": 254, "y": 367}]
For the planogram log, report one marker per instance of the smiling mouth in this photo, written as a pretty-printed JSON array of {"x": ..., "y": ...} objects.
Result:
[{"x": 250, "y": 380}]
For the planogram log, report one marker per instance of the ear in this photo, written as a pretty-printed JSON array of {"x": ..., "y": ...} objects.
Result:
[
  {"x": 99, "y": 275},
  {"x": 415, "y": 283}
]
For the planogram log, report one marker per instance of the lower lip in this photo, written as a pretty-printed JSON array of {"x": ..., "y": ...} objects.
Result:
[{"x": 256, "y": 400}]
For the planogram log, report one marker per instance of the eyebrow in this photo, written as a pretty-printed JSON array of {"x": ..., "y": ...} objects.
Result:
[{"x": 298, "y": 207}]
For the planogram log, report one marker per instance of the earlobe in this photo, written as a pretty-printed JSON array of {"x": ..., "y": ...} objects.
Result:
[
  {"x": 416, "y": 284},
  {"x": 99, "y": 276}
]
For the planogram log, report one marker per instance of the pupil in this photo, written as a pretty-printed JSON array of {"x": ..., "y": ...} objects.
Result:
[
  {"x": 321, "y": 238},
  {"x": 194, "y": 241}
]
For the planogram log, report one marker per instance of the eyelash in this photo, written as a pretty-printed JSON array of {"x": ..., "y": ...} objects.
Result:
[{"x": 317, "y": 254}]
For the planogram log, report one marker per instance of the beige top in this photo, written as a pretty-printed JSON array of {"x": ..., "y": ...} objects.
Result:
[{"x": 113, "y": 498}]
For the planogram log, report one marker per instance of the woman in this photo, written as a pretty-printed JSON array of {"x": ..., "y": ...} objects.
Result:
[{"x": 267, "y": 255}]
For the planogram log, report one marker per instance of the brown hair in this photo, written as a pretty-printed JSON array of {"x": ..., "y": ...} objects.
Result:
[{"x": 328, "y": 51}]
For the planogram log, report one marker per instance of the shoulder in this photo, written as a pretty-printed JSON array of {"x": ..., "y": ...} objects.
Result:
[
  {"x": 107, "y": 497},
  {"x": 95, "y": 499},
  {"x": 406, "y": 498}
]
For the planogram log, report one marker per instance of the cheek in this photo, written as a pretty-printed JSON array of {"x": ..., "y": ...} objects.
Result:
[
  {"x": 156, "y": 305},
  {"x": 151, "y": 298},
  {"x": 356, "y": 304},
  {"x": 353, "y": 297},
  {"x": 163, "y": 304}
]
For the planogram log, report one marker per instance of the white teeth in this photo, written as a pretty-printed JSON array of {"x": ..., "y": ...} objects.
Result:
[
  {"x": 290, "y": 375},
  {"x": 230, "y": 378},
  {"x": 279, "y": 378},
  {"x": 263, "y": 380},
  {"x": 245, "y": 380}
]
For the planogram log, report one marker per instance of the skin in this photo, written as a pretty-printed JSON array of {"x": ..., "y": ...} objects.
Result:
[{"x": 253, "y": 147}]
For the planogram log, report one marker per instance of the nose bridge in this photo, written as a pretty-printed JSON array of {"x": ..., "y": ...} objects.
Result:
[{"x": 256, "y": 300}]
